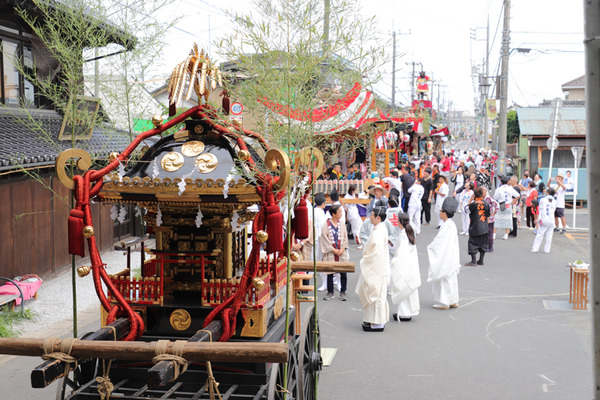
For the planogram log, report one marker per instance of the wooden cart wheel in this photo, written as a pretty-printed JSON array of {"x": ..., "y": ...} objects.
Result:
[
  {"x": 86, "y": 371},
  {"x": 276, "y": 388},
  {"x": 309, "y": 355}
]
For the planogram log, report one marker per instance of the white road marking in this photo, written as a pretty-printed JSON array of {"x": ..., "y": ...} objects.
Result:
[{"x": 546, "y": 385}]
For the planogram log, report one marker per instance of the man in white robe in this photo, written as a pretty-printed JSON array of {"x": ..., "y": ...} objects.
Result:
[
  {"x": 444, "y": 259},
  {"x": 374, "y": 275}
]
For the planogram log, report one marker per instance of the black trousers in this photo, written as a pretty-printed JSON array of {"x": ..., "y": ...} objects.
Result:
[
  {"x": 343, "y": 281},
  {"x": 426, "y": 209},
  {"x": 530, "y": 217},
  {"x": 513, "y": 233}
]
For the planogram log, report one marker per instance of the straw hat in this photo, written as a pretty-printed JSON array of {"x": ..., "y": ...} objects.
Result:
[{"x": 372, "y": 191}]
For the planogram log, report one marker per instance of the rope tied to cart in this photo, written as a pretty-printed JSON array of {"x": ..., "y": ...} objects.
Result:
[
  {"x": 176, "y": 357},
  {"x": 212, "y": 383},
  {"x": 63, "y": 355},
  {"x": 105, "y": 386}
]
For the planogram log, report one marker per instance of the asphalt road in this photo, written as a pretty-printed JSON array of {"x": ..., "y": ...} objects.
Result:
[{"x": 506, "y": 341}]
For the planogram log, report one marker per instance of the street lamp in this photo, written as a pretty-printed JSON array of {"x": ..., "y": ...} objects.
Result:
[{"x": 484, "y": 88}]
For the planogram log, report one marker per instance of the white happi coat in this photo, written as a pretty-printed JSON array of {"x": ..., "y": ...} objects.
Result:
[
  {"x": 444, "y": 264},
  {"x": 374, "y": 277},
  {"x": 405, "y": 277}
]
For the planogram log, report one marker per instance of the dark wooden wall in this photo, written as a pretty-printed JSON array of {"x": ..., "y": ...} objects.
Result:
[{"x": 33, "y": 226}]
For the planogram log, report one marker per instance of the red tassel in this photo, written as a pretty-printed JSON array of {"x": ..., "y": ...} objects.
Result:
[
  {"x": 301, "y": 220},
  {"x": 225, "y": 103},
  {"x": 274, "y": 229},
  {"x": 76, "y": 245}
]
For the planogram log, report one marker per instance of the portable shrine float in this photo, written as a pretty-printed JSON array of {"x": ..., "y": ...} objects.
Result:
[{"x": 207, "y": 317}]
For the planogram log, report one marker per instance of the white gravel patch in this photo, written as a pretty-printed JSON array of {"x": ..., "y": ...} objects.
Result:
[{"x": 53, "y": 309}]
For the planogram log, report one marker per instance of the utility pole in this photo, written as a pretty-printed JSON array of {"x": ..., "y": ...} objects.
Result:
[
  {"x": 501, "y": 163},
  {"x": 591, "y": 16},
  {"x": 394, "y": 72},
  {"x": 486, "y": 85},
  {"x": 412, "y": 84},
  {"x": 326, "y": 26}
]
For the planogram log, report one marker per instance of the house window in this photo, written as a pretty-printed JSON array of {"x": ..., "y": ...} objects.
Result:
[{"x": 16, "y": 90}]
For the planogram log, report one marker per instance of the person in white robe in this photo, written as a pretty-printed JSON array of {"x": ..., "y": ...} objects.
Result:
[
  {"x": 405, "y": 275},
  {"x": 444, "y": 259},
  {"x": 464, "y": 199},
  {"x": 367, "y": 227},
  {"x": 441, "y": 193},
  {"x": 352, "y": 214},
  {"x": 320, "y": 219},
  {"x": 415, "y": 205},
  {"x": 374, "y": 275}
]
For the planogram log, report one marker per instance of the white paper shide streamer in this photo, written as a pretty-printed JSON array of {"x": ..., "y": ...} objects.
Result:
[
  {"x": 114, "y": 212},
  {"x": 155, "y": 170},
  {"x": 122, "y": 214},
  {"x": 230, "y": 177},
  {"x": 121, "y": 170},
  {"x": 234, "y": 222},
  {"x": 158, "y": 217},
  {"x": 199, "y": 217}
]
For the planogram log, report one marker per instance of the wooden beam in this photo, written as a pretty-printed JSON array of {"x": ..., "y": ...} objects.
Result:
[
  {"x": 323, "y": 266},
  {"x": 163, "y": 372},
  {"x": 145, "y": 351},
  {"x": 49, "y": 371}
]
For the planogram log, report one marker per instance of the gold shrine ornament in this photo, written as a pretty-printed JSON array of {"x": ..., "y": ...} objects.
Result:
[
  {"x": 172, "y": 161},
  {"x": 294, "y": 256},
  {"x": 157, "y": 120},
  {"x": 192, "y": 148},
  {"x": 262, "y": 236},
  {"x": 244, "y": 155},
  {"x": 180, "y": 319},
  {"x": 258, "y": 283},
  {"x": 88, "y": 231},
  {"x": 206, "y": 163}
]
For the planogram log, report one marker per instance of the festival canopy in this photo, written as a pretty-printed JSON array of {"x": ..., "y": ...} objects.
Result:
[{"x": 354, "y": 109}]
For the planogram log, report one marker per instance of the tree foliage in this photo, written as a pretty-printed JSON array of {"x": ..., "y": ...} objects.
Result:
[
  {"x": 512, "y": 127},
  {"x": 291, "y": 59}
]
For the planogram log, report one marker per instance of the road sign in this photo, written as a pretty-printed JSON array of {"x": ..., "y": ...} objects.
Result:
[
  {"x": 577, "y": 154},
  {"x": 236, "y": 108},
  {"x": 552, "y": 143}
]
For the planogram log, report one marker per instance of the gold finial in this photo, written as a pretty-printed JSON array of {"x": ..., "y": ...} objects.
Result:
[
  {"x": 83, "y": 271},
  {"x": 157, "y": 120},
  {"x": 294, "y": 256},
  {"x": 262, "y": 236},
  {"x": 112, "y": 156},
  {"x": 88, "y": 231}
]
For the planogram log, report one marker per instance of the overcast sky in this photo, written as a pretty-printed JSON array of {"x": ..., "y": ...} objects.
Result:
[{"x": 437, "y": 33}]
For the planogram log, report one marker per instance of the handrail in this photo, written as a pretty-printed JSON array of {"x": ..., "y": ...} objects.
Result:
[{"x": 20, "y": 291}]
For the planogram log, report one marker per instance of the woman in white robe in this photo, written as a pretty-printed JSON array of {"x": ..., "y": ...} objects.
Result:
[
  {"x": 374, "y": 275},
  {"x": 405, "y": 277},
  {"x": 444, "y": 259}
]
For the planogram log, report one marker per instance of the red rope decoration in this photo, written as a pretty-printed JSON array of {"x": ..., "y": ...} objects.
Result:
[{"x": 90, "y": 184}]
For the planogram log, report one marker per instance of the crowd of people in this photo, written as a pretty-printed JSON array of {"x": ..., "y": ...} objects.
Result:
[{"x": 461, "y": 182}]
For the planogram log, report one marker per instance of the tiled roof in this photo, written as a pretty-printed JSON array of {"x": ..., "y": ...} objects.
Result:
[
  {"x": 23, "y": 145},
  {"x": 578, "y": 83}
]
